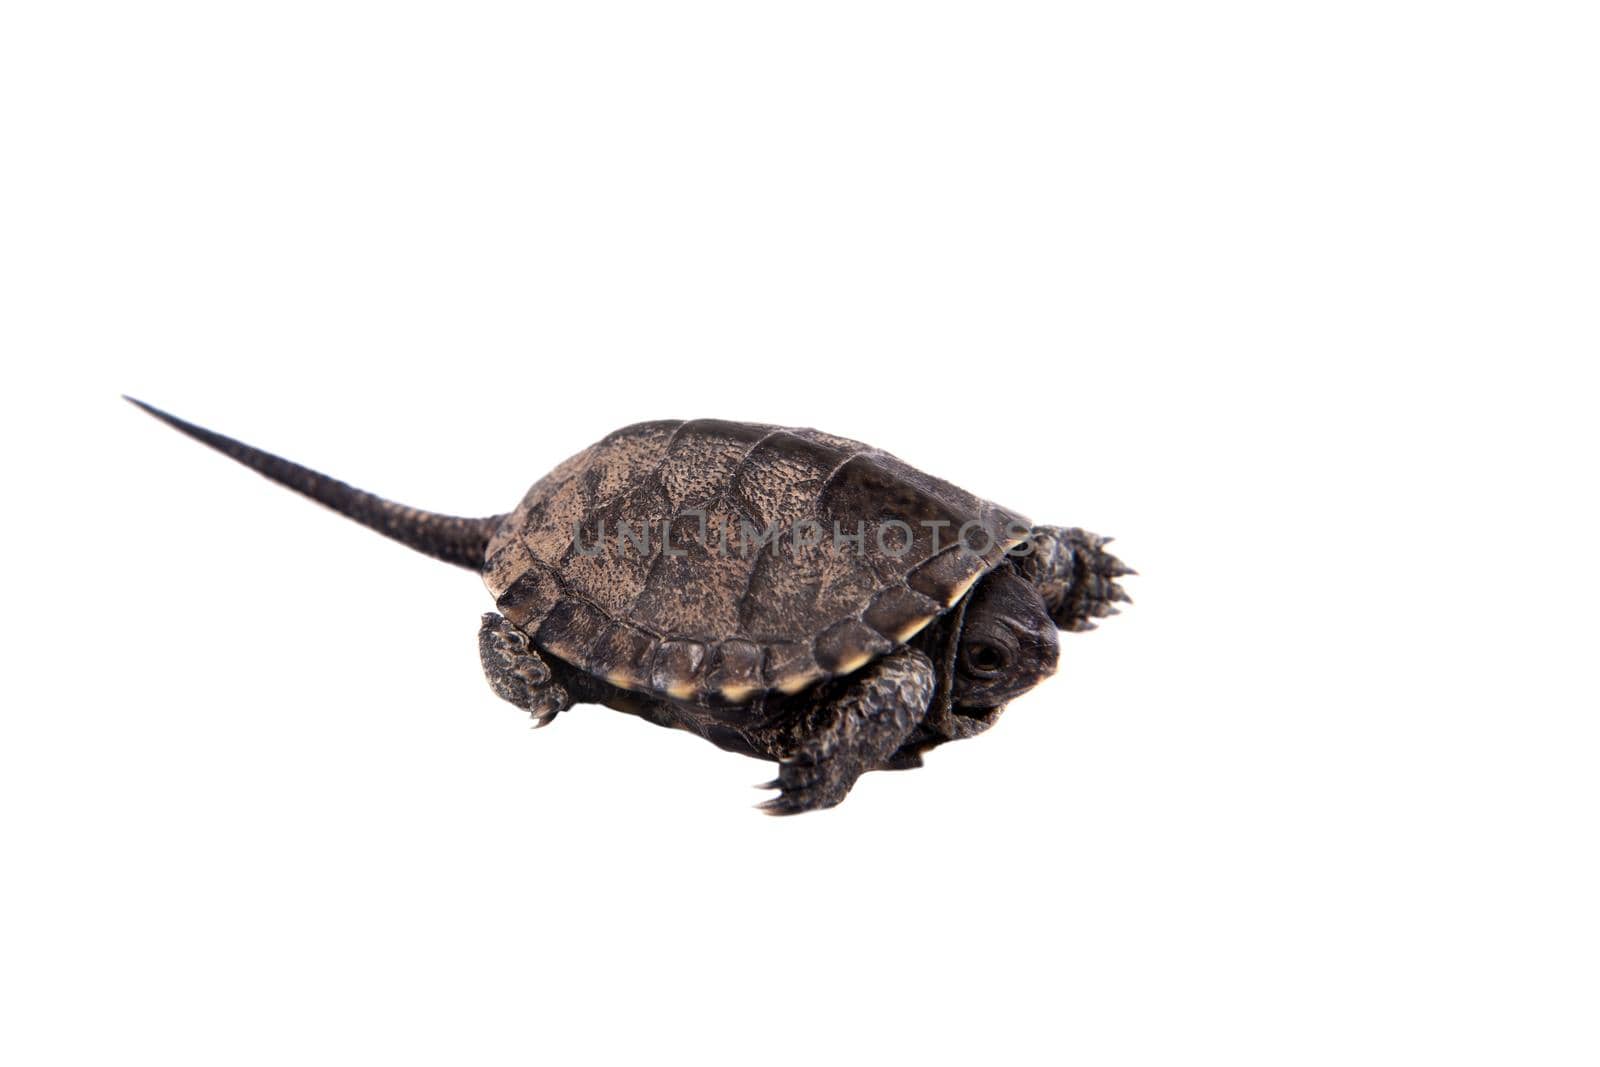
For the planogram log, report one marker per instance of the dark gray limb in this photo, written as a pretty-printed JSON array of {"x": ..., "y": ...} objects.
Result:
[
  {"x": 516, "y": 673},
  {"x": 1074, "y": 574},
  {"x": 855, "y": 732}
]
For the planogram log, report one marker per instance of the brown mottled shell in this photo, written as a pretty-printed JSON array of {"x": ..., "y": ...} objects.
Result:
[{"x": 707, "y": 615}]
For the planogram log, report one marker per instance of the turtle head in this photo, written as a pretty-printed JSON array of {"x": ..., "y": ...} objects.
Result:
[{"x": 1005, "y": 646}]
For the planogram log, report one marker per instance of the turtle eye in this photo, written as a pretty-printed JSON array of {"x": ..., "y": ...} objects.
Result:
[{"x": 982, "y": 659}]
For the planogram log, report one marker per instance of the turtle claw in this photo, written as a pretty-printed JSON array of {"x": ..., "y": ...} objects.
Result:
[
  {"x": 779, "y": 806},
  {"x": 806, "y": 785},
  {"x": 1075, "y": 574},
  {"x": 516, "y": 672}
]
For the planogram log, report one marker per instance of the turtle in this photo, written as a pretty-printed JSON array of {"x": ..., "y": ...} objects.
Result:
[{"x": 781, "y": 592}]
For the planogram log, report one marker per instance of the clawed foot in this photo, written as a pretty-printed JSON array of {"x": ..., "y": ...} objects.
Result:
[
  {"x": 855, "y": 731},
  {"x": 1076, "y": 576},
  {"x": 516, "y": 672},
  {"x": 806, "y": 784}
]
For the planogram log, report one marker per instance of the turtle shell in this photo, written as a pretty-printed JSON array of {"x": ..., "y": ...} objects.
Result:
[{"x": 712, "y": 561}]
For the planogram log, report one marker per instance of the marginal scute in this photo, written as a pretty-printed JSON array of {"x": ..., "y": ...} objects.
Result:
[
  {"x": 735, "y": 673},
  {"x": 848, "y": 646},
  {"x": 508, "y": 562},
  {"x": 947, "y": 576},
  {"x": 790, "y": 666},
  {"x": 571, "y": 629},
  {"x": 1009, "y": 527},
  {"x": 900, "y": 612},
  {"x": 624, "y": 655},
  {"x": 527, "y": 600},
  {"x": 678, "y": 667}
]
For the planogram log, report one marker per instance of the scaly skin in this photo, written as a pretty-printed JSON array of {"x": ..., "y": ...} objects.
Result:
[
  {"x": 1075, "y": 574},
  {"x": 854, "y": 733},
  {"x": 517, "y": 673},
  {"x": 832, "y": 665}
]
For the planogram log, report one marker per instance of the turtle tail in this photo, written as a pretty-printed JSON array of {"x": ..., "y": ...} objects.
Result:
[{"x": 464, "y": 542}]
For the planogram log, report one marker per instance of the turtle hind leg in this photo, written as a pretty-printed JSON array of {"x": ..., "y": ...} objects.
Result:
[
  {"x": 1075, "y": 574},
  {"x": 851, "y": 732},
  {"x": 516, "y": 673}
]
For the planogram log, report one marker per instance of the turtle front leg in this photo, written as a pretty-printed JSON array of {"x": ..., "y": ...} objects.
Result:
[
  {"x": 1074, "y": 574},
  {"x": 516, "y": 673},
  {"x": 855, "y": 731}
]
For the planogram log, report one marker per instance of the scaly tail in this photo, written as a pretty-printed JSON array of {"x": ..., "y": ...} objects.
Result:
[{"x": 463, "y": 542}]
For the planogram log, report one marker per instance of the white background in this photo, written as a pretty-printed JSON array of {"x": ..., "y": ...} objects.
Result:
[{"x": 1297, "y": 300}]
